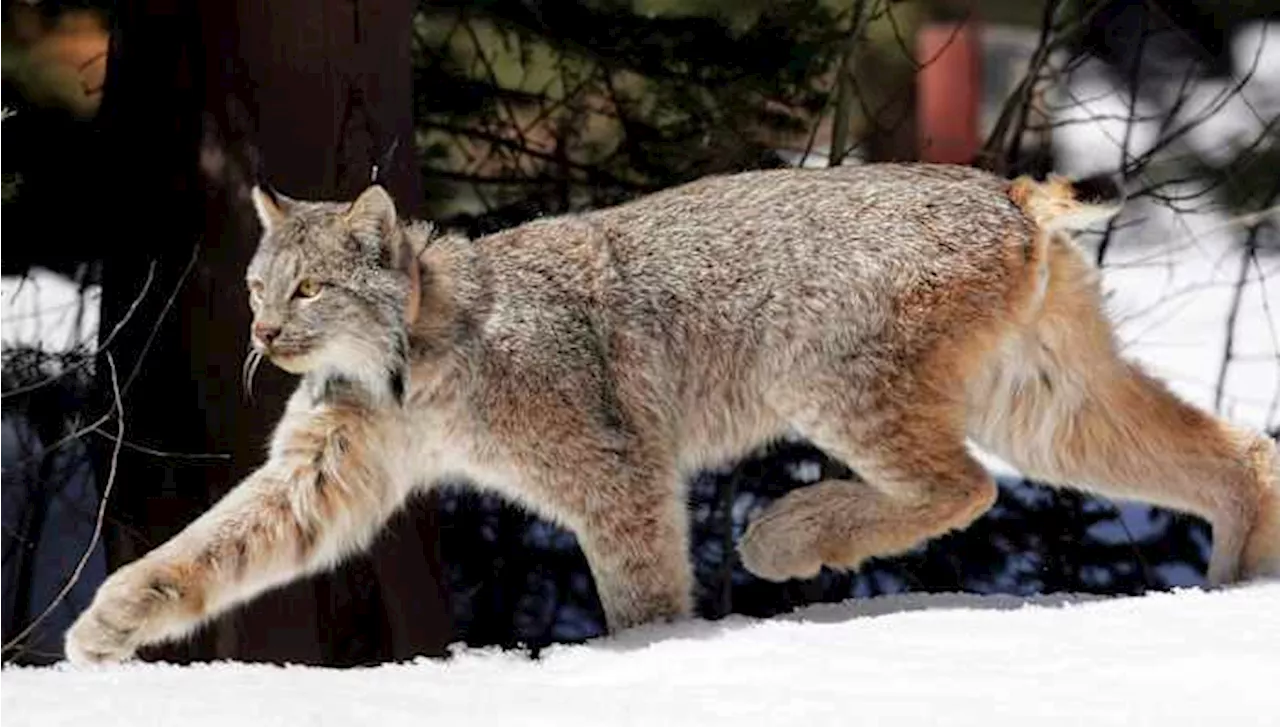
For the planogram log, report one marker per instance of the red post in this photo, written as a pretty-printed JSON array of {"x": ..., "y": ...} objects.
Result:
[{"x": 950, "y": 89}]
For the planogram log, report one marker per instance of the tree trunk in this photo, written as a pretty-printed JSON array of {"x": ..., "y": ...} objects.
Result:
[{"x": 201, "y": 98}]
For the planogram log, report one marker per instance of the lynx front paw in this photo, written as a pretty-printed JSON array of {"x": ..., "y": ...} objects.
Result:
[{"x": 135, "y": 606}]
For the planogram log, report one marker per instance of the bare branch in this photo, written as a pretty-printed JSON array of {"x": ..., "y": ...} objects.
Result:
[
  {"x": 97, "y": 526},
  {"x": 106, "y": 343}
]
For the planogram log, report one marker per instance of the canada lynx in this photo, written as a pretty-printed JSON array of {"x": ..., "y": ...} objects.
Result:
[{"x": 586, "y": 365}]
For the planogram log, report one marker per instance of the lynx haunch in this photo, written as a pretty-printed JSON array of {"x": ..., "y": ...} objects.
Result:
[{"x": 584, "y": 366}]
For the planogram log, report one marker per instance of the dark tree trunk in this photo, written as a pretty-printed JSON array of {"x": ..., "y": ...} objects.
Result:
[{"x": 201, "y": 98}]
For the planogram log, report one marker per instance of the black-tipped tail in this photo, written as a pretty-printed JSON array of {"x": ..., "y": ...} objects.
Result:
[
  {"x": 1099, "y": 189},
  {"x": 1061, "y": 203}
]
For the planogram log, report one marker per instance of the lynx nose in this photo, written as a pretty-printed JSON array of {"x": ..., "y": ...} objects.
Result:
[{"x": 265, "y": 332}]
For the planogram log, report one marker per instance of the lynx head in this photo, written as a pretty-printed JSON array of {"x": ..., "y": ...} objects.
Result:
[{"x": 333, "y": 286}]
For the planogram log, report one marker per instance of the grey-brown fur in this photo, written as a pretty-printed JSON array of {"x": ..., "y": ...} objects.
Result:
[{"x": 586, "y": 365}]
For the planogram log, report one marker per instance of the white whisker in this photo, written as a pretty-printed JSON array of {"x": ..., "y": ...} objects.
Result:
[{"x": 251, "y": 361}]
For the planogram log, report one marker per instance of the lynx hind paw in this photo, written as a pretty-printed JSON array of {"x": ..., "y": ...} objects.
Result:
[
  {"x": 777, "y": 548},
  {"x": 799, "y": 534}
]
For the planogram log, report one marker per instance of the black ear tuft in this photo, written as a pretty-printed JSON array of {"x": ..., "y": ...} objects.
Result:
[
  {"x": 1098, "y": 189},
  {"x": 380, "y": 168}
]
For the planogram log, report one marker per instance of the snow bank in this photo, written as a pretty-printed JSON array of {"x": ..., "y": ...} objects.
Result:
[{"x": 1184, "y": 658}]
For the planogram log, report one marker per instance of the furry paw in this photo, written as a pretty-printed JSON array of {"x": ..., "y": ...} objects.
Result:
[
  {"x": 802, "y": 532},
  {"x": 777, "y": 548},
  {"x": 135, "y": 606}
]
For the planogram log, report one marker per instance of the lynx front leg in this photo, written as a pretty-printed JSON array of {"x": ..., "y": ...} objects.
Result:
[
  {"x": 634, "y": 529},
  {"x": 641, "y": 567},
  {"x": 318, "y": 498}
]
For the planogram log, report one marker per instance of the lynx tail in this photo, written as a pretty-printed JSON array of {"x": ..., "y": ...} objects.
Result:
[{"x": 1059, "y": 203}]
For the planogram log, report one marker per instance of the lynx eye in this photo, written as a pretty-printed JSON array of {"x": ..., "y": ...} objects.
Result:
[{"x": 308, "y": 288}]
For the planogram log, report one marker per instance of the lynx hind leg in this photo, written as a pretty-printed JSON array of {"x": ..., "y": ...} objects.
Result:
[
  {"x": 1261, "y": 555},
  {"x": 919, "y": 482},
  {"x": 1059, "y": 404},
  {"x": 1121, "y": 434}
]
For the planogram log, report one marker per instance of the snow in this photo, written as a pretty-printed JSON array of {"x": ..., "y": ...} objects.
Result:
[
  {"x": 47, "y": 310},
  {"x": 1183, "y": 658},
  {"x": 1092, "y": 133}
]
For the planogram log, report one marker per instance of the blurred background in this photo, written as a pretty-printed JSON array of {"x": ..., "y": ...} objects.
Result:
[{"x": 133, "y": 129}]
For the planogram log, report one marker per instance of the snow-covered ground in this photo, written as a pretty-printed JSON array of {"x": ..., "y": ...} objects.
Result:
[
  {"x": 47, "y": 310},
  {"x": 1184, "y": 658}
]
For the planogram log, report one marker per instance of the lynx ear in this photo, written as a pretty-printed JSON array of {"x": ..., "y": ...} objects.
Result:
[
  {"x": 373, "y": 211},
  {"x": 272, "y": 207}
]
